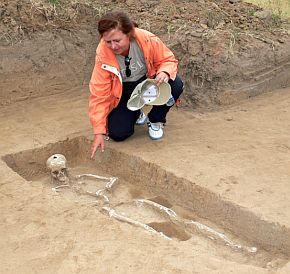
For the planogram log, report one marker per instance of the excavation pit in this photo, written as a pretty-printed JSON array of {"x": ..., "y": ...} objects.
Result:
[{"x": 202, "y": 218}]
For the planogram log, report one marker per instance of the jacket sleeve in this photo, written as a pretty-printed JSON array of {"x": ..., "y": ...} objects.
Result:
[
  {"x": 163, "y": 58},
  {"x": 100, "y": 102}
]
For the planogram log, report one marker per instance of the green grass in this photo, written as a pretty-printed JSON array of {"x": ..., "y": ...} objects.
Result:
[{"x": 280, "y": 8}]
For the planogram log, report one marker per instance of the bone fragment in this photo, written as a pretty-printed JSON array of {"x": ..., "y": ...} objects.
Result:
[
  {"x": 112, "y": 182},
  {"x": 217, "y": 235},
  {"x": 92, "y": 176},
  {"x": 100, "y": 192},
  {"x": 56, "y": 188},
  {"x": 162, "y": 209},
  {"x": 119, "y": 217}
]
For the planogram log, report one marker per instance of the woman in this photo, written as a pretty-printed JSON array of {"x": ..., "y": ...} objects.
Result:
[{"x": 125, "y": 57}]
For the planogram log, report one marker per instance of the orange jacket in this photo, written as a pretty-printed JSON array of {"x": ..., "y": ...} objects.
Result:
[{"x": 106, "y": 81}]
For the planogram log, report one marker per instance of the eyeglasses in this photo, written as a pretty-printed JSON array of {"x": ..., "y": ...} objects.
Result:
[{"x": 127, "y": 64}]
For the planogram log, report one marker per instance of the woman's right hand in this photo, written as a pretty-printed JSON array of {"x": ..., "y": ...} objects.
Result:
[{"x": 98, "y": 143}]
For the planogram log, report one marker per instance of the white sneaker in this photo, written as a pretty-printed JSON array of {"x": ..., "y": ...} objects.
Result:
[
  {"x": 141, "y": 119},
  {"x": 155, "y": 130}
]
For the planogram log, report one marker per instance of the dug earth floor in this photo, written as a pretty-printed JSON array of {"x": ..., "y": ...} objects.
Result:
[{"x": 229, "y": 168}]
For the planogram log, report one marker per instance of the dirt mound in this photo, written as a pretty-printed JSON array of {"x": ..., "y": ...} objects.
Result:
[{"x": 228, "y": 50}]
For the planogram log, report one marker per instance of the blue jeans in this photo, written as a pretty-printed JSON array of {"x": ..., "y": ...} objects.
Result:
[{"x": 121, "y": 120}]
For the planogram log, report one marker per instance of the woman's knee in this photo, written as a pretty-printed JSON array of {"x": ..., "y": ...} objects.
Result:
[
  {"x": 176, "y": 87},
  {"x": 119, "y": 136},
  {"x": 121, "y": 125}
]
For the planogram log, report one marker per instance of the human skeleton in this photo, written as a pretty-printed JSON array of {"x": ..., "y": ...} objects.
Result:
[{"x": 57, "y": 165}]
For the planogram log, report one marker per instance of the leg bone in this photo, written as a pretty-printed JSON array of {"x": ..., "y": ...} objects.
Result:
[{"x": 119, "y": 217}]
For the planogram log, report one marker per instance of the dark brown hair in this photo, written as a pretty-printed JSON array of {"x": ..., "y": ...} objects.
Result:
[{"x": 116, "y": 20}]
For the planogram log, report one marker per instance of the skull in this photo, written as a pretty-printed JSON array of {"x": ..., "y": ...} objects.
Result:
[{"x": 57, "y": 166}]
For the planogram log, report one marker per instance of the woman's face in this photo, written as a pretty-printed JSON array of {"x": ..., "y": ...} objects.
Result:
[{"x": 117, "y": 41}]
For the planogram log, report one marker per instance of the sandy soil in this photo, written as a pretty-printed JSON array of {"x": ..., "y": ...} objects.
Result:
[{"x": 239, "y": 154}]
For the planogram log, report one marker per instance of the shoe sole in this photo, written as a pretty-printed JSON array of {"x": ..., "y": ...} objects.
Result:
[{"x": 155, "y": 139}]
